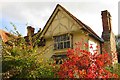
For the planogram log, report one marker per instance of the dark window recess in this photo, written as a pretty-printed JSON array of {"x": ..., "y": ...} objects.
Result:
[
  {"x": 59, "y": 58},
  {"x": 62, "y": 41},
  {"x": 68, "y": 44},
  {"x": 59, "y": 61}
]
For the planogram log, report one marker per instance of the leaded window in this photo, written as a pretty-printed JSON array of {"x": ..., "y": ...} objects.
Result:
[{"x": 62, "y": 41}]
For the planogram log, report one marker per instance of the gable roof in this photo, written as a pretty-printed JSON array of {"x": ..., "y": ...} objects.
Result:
[{"x": 84, "y": 26}]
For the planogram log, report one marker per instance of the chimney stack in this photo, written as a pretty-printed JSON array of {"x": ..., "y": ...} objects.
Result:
[
  {"x": 106, "y": 20},
  {"x": 30, "y": 31},
  {"x": 108, "y": 36}
]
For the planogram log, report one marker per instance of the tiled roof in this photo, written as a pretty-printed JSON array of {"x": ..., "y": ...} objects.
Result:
[{"x": 5, "y": 36}]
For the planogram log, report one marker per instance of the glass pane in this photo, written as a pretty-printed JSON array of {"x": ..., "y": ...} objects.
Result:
[
  {"x": 68, "y": 44},
  {"x": 61, "y": 45},
  {"x": 65, "y": 44},
  {"x": 62, "y": 41},
  {"x": 58, "y": 45}
]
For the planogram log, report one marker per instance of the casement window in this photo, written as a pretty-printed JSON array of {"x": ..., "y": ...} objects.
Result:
[
  {"x": 59, "y": 58},
  {"x": 62, "y": 41}
]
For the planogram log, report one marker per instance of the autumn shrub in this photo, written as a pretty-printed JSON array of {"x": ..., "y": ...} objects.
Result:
[
  {"x": 84, "y": 64},
  {"x": 26, "y": 67},
  {"x": 20, "y": 60}
]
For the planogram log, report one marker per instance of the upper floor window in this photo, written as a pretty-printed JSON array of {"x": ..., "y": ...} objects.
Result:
[{"x": 62, "y": 41}]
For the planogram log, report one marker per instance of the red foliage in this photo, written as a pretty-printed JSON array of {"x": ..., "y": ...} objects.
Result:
[{"x": 82, "y": 64}]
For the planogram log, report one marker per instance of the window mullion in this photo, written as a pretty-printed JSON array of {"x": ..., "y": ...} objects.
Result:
[{"x": 63, "y": 41}]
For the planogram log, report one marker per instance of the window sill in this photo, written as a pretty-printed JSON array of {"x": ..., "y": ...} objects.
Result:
[{"x": 61, "y": 51}]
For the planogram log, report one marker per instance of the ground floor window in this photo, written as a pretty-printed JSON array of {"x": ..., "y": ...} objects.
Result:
[{"x": 59, "y": 59}]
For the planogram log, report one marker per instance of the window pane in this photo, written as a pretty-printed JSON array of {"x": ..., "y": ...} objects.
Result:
[
  {"x": 68, "y": 44},
  {"x": 62, "y": 41},
  {"x": 58, "y": 45},
  {"x": 61, "y": 45},
  {"x": 65, "y": 43}
]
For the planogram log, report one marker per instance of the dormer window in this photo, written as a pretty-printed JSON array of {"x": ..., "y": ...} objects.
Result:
[{"x": 62, "y": 41}]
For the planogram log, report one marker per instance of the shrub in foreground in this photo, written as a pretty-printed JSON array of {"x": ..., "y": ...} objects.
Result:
[{"x": 84, "y": 64}]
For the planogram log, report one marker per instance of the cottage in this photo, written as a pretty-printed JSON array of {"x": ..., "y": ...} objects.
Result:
[{"x": 63, "y": 30}]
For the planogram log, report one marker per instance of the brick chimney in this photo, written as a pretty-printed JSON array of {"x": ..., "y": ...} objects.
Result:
[
  {"x": 30, "y": 31},
  {"x": 106, "y": 21},
  {"x": 108, "y": 36}
]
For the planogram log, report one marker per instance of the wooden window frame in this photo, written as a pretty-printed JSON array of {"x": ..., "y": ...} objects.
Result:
[{"x": 62, "y": 41}]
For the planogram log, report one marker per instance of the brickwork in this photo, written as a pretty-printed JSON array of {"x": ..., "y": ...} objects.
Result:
[
  {"x": 30, "y": 31},
  {"x": 108, "y": 36}
]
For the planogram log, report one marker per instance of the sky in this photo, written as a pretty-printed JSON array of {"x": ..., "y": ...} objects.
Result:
[{"x": 35, "y": 13}]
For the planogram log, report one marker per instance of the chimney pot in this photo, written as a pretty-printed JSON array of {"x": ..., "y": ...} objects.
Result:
[{"x": 30, "y": 31}]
